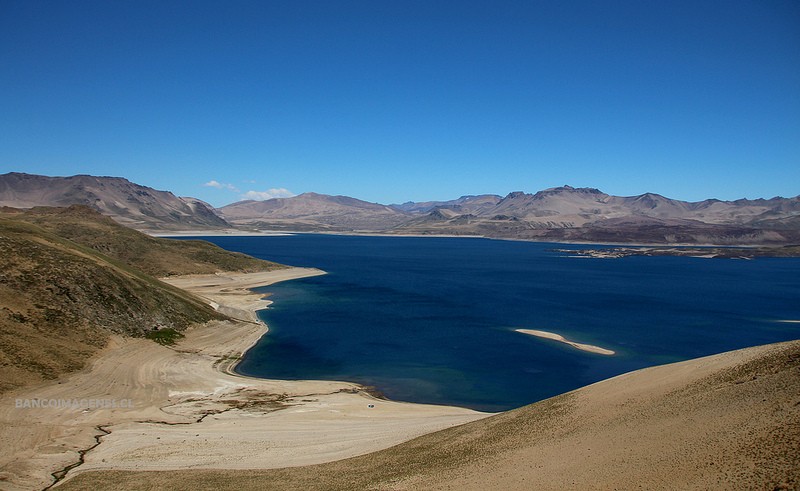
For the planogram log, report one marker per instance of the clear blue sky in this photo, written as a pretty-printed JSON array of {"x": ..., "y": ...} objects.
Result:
[{"x": 391, "y": 101}]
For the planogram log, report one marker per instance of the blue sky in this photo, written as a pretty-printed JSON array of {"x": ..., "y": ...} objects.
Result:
[{"x": 390, "y": 101}]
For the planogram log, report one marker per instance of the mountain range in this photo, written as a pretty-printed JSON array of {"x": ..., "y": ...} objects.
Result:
[
  {"x": 589, "y": 215},
  {"x": 556, "y": 214}
]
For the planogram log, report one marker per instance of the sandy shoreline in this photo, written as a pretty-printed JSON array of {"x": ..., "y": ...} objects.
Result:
[
  {"x": 727, "y": 421},
  {"x": 561, "y": 339},
  {"x": 213, "y": 233},
  {"x": 282, "y": 233},
  {"x": 190, "y": 411},
  {"x": 277, "y": 233}
]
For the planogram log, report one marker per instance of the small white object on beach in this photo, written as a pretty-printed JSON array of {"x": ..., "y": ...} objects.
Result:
[{"x": 557, "y": 337}]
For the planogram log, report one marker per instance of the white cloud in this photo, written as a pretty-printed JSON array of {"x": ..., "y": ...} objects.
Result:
[
  {"x": 268, "y": 194},
  {"x": 221, "y": 185}
]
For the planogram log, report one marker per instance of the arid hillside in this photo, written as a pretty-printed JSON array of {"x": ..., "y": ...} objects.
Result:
[
  {"x": 729, "y": 421},
  {"x": 561, "y": 214},
  {"x": 70, "y": 277},
  {"x": 128, "y": 203},
  {"x": 313, "y": 212},
  {"x": 154, "y": 256},
  {"x": 569, "y": 214}
]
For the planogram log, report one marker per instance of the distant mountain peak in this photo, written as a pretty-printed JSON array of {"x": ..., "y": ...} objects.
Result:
[
  {"x": 314, "y": 211},
  {"x": 127, "y": 202},
  {"x": 570, "y": 189},
  {"x": 651, "y": 196}
]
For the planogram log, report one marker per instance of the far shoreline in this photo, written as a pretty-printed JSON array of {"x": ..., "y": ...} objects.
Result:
[{"x": 643, "y": 245}]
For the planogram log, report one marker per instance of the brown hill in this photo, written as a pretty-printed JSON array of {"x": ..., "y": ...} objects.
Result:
[
  {"x": 575, "y": 207},
  {"x": 558, "y": 207},
  {"x": 70, "y": 277},
  {"x": 589, "y": 215},
  {"x": 729, "y": 421},
  {"x": 154, "y": 256},
  {"x": 59, "y": 301},
  {"x": 465, "y": 204},
  {"x": 312, "y": 211},
  {"x": 133, "y": 205}
]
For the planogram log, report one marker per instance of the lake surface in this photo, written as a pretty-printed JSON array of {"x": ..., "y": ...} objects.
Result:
[{"x": 431, "y": 319}]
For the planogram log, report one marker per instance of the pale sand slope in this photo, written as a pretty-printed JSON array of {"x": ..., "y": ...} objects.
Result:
[
  {"x": 729, "y": 421},
  {"x": 561, "y": 339},
  {"x": 248, "y": 423}
]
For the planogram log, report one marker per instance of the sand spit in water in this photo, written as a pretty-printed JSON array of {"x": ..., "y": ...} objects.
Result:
[{"x": 561, "y": 339}]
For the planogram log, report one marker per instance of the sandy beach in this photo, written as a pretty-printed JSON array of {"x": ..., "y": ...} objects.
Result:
[
  {"x": 190, "y": 411},
  {"x": 727, "y": 421},
  {"x": 561, "y": 339}
]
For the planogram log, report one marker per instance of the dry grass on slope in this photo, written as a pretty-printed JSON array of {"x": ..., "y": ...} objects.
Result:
[
  {"x": 154, "y": 256},
  {"x": 59, "y": 301},
  {"x": 730, "y": 421}
]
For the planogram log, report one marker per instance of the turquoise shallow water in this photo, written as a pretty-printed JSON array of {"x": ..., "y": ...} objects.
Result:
[{"x": 430, "y": 319}]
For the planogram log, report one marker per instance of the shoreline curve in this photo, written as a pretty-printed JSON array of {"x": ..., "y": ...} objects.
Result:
[{"x": 189, "y": 410}]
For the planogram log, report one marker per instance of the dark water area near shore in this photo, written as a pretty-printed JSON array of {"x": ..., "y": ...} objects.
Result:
[{"x": 431, "y": 319}]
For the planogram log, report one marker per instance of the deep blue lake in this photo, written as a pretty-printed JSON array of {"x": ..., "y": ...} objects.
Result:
[{"x": 430, "y": 319}]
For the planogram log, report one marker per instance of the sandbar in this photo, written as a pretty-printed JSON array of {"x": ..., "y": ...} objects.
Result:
[{"x": 561, "y": 339}]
